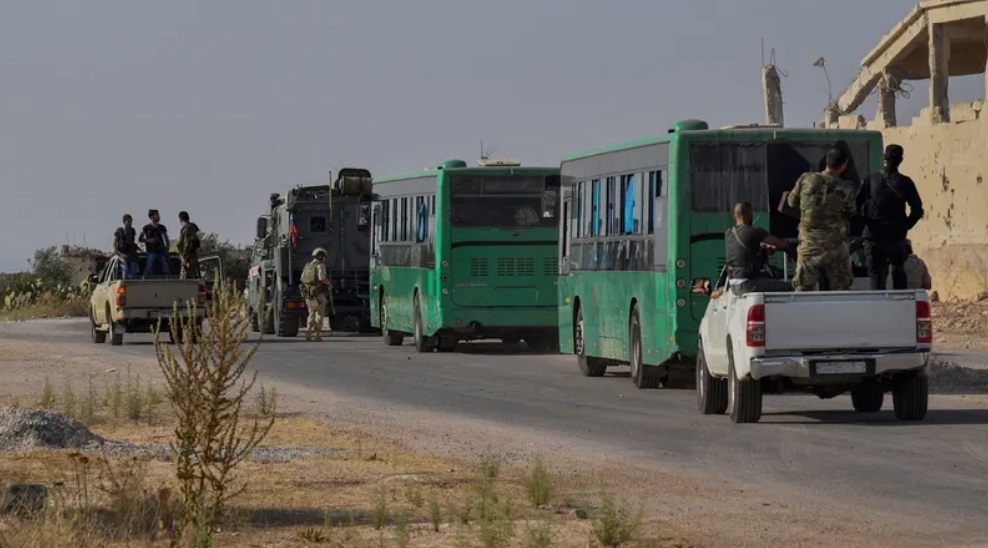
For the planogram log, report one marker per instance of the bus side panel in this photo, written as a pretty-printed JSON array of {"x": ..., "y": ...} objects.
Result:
[{"x": 566, "y": 314}]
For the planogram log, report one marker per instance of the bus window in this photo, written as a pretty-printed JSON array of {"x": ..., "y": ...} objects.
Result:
[
  {"x": 595, "y": 208},
  {"x": 724, "y": 173},
  {"x": 500, "y": 201},
  {"x": 628, "y": 215}
]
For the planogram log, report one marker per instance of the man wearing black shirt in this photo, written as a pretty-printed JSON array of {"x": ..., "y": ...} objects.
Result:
[
  {"x": 742, "y": 248},
  {"x": 155, "y": 238},
  {"x": 881, "y": 202},
  {"x": 125, "y": 245}
]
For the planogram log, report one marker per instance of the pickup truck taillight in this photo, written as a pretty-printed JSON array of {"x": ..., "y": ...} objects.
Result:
[
  {"x": 755, "y": 328},
  {"x": 121, "y": 297},
  {"x": 202, "y": 293},
  {"x": 924, "y": 323}
]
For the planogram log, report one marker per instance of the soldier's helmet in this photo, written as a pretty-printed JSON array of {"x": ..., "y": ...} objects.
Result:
[{"x": 319, "y": 251}]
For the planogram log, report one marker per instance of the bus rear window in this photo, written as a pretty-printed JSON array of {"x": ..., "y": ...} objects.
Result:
[
  {"x": 503, "y": 201},
  {"x": 726, "y": 173}
]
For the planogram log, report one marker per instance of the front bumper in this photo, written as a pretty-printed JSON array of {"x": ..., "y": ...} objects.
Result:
[{"x": 804, "y": 367}]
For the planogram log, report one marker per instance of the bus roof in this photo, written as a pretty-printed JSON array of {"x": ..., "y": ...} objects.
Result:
[
  {"x": 471, "y": 170},
  {"x": 699, "y": 128}
]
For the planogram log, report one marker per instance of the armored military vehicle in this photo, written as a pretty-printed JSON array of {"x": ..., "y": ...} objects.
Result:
[{"x": 335, "y": 217}]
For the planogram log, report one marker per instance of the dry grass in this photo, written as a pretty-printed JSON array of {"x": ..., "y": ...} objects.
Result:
[
  {"x": 330, "y": 500},
  {"x": 48, "y": 306}
]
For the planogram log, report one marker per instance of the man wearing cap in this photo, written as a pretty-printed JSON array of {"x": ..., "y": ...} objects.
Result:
[
  {"x": 154, "y": 236},
  {"x": 881, "y": 202}
]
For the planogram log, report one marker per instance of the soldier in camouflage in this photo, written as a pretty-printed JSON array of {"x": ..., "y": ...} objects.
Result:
[
  {"x": 315, "y": 288},
  {"x": 188, "y": 247},
  {"x": 826, "y": 204}
]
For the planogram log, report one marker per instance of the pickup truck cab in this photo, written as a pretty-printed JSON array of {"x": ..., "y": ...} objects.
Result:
[
  {"x": 773, "y": 340},
  {"x": 119, "y": 306}
]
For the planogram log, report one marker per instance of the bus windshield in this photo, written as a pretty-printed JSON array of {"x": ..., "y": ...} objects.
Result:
[{"x": 504, "y": 201}]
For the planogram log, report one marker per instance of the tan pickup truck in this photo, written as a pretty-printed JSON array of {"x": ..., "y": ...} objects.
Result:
[{"x": 119, "y": 306}]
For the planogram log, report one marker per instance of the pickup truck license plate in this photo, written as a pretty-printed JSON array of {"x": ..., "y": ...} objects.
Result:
[
  {"x": 159, "y": 314},
  {"x": 840, "y": 368}
]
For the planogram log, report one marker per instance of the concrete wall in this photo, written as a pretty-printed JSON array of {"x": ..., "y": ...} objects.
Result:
[{"x": 949, "y": 163}]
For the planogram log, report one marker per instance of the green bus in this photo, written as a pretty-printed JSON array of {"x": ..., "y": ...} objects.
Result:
[
  {"x": 642, "y": 221},
  {"x": 464, "y": 253}
]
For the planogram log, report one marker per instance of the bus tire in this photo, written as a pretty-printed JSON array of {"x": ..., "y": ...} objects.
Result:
[
  {"x": 423, "y": 344},
  {"x": 744, "y": 399},
  {"x": 640, "y": 374},
  {"x": 589, "y": 366},
  {"x": 390, "y": 338},
  {"x": 447, "y": 343},
  {"x": 711, "y": 392}
]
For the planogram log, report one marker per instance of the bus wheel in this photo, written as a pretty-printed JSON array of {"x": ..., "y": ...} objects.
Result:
[
  {"x": 390, "y": 338},
  {"x": 590, "y": 367},
  {"x": 422, "y": 343},
  {"x": 510, "y": 340},
  {"x": 639, "y": 371},
  {"x": 447, "y": 343}
]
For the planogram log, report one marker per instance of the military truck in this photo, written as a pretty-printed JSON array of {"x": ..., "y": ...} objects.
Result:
[{"x": 335, "y": 217}]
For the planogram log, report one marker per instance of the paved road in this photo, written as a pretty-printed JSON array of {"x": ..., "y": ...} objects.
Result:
[{"x": 936, "y": 467}]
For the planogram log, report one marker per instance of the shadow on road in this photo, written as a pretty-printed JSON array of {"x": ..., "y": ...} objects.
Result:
[{"x": 934, "y": 417}]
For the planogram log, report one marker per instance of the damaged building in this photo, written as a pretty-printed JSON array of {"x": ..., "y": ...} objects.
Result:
[{"x": 945, "y": 144}]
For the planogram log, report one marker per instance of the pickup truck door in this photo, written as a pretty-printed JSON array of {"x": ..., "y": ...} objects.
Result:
[
  {"x": 101, "y": 296},
  {"x": 714, "y": 345}
]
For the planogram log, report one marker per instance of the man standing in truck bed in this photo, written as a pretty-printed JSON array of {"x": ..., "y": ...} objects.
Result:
[
  {"x": 154, "y": 236},
  {"x": 826, "y": 204},
  {"x": 882, "y": 201},
  {"x": 188, "y": 246}
]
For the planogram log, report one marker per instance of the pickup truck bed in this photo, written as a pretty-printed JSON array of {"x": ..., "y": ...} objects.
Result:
[
  {"x": 120, "y": 306},
  {"x": 824, "y": 343}
]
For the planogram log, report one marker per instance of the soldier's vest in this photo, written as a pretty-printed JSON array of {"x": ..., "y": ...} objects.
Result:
[
  {"x": 309, "y": 275},
  {"x": 822, "y": 203}
]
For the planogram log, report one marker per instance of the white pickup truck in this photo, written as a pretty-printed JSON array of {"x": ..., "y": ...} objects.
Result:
[{"x": 774, "y": 340}]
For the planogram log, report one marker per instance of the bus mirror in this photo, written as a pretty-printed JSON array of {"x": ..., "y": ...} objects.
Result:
[
  {"x": 549, "y": 198},
  {"x": 701, "y": 286}
]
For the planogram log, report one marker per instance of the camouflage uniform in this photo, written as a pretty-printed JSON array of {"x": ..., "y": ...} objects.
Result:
[
  {"x": 316, "y": 293},
  {"x": 188, "y": 251},
  {"x": 825, "y": 205},
  {"x": 915, "y": 272}
]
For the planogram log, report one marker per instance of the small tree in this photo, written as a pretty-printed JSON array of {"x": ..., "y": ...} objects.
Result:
[{"x": 207, "y": 387}]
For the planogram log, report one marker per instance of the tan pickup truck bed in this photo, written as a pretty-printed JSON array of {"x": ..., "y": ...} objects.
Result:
[{"x": 120, "y": 306}]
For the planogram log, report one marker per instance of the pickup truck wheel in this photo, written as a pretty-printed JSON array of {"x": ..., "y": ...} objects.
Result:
[
  {"x": 869, "y": 397},
  {"x": 116, "y": 339},
  {"x": 589, "y": 366},
  {"x": 639, "y": 371},
  {"x": 99, "y": 337},
  {"x": 910, "y": 396},
  {"x": 422, "y": 343},
  {"x": 711, "y": 392},
  {"x": 390, "y": 338},
  {"x": 744, "y": 397}
]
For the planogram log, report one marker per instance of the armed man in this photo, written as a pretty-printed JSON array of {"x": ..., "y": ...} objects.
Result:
[
  {"x": 188, "y": 246},
  {"x": 315, "y": 289},
  {"x": 154, "y": 236},
  {"x": 882, "y": 201},
  {"x": 826, "y": 204},
  {"x": 742, "y": 249}
]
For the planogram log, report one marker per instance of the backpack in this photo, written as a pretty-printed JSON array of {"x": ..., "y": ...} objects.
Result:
[{"x": 309, "y": 274}]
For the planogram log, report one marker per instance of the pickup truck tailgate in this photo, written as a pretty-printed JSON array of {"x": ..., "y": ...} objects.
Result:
[
  {"x": 840, "y": 320},
  {"x": 160, "y": 293}
]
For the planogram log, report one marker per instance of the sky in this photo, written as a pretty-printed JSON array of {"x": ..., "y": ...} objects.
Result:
[{"x": 111, "y": 107}]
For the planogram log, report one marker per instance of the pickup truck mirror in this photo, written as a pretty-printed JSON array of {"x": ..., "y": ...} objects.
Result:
[
  {"x": 93, "y": 278},
  {"x": 701, "y": 286}
]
